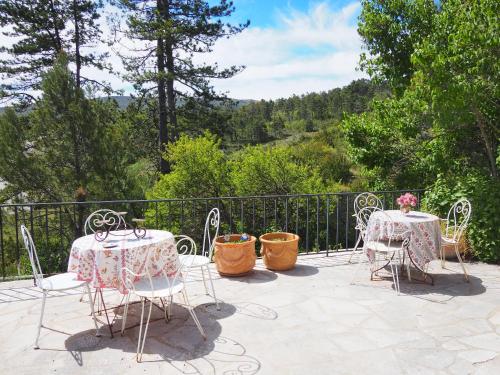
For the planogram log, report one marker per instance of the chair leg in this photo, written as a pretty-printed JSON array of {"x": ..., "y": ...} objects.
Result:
[
  {"x": 125, "y": 312},
  {"x": 213, "y": 289},
  {"x": 204, "y": 281},
  {"x": 40, "y": 321},
  {"x": 92, "y": 310},
  {"x": 145, "y": 330},
  {"x": 140, "y": 330},
  {"x": 355, "y": 248},
  {"x": 443, "y": 258},
  {"x": 466, "y": 276},
  {"x": 170, "y": 303},
  {"x": 395, "y": 277},
  {"x": 193, "y": 314}
]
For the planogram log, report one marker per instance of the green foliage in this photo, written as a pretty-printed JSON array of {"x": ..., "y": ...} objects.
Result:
[
  {"x": 263, "y": 170},
  {"x": 40, "y": 30},
  {"x": 199, "y": 169},
  {"x": 68, "y": 147},
  {"x": 483, "y": 232},
  {"x": 390, "y": 31}
]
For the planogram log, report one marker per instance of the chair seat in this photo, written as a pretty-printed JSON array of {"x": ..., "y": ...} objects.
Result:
[
  {"x": 194, "y": 260},
  {"x": 447, "y": 240},
  {"x": 161, "y": 287},
  {"x": 384, "y": 247},
  {"x": 61, "y": 281}
]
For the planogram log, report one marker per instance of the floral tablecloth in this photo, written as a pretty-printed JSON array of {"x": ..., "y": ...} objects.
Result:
[
  {"x": 101, "y": 264},
  {"x": 425, "y": 242}
]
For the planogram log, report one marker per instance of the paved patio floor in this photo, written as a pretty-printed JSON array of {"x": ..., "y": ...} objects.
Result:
[{"x": 310, "y": 320}]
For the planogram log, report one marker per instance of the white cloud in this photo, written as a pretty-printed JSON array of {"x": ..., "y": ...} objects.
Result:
[{"x": 308, "y": 51}]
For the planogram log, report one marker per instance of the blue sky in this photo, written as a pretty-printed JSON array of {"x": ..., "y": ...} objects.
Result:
[{"x": 291, "y": 47}]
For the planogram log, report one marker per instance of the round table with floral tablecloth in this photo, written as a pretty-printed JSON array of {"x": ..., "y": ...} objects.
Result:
[
  {"x": 425, "y": 241},
  {"x": 101, "y": 263}
]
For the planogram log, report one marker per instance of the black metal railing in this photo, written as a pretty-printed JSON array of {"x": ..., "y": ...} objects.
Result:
[{"x": 324, "y": 222}]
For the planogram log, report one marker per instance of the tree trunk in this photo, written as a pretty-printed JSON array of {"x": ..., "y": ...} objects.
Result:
[
  {"x": 488, "y": 143},
  {"x": 78, "y": 58},
  {"x": 169, "y": 55},
  {"x": 162, "y": 100}
]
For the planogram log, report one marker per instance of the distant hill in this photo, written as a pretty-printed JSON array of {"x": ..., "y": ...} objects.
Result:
[{"x": 123, "y": 101}]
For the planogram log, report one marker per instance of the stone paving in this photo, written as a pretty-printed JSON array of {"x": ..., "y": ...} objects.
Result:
[{"x": 310, "y": 320}]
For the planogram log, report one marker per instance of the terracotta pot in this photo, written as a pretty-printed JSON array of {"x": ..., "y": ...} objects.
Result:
[
  {"x": 449, "y": 249},
  {"x": 234, "y": 259},
  {"x": 279, "y": 250}
]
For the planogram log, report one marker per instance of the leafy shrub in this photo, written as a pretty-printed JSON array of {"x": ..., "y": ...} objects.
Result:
[{"x": 484, "y": 194}]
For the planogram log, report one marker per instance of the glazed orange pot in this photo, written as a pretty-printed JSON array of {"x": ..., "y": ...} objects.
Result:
[
  {"x": 234, "y": 259},
  {"x": 279, "y": 250}
]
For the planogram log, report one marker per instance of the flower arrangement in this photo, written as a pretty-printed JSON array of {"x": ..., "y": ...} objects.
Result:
[{"x": 406, "y": 202}]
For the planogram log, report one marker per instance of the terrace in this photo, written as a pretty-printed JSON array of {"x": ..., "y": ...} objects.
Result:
[
  {"x": 307, "y": 320},
  {"x": 312, "y": 319}
]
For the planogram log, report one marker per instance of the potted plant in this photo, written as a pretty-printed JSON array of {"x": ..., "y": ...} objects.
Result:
[
  {"x": 234, "y": 254},
  {"x": 279, "y": 250}
]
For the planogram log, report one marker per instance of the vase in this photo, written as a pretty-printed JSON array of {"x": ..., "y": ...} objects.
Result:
[
  {"x": 405, "y": 209},
  {"x": 234, "y": 259},
  {"x": 279, "y": 250}
]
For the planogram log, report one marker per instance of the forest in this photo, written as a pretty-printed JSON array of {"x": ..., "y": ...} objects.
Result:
[{"x": 427, "y": 117}]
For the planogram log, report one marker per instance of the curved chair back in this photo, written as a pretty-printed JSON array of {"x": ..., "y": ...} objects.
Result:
[
  {"x": 211, "y": 232},
  {"x": 35, "y": 263},
  {"x": 458, "y": 219},
  {"x": 185, "y": 245},
  {"x": 103, "y": 219},
  {"x": 378, "y": 227},
  {"x": 363, "y": 218},
  {"x": 367, "y": 200}
]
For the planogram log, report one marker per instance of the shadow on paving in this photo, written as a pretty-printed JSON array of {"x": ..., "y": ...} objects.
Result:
[{"x": 177, "y": 342}]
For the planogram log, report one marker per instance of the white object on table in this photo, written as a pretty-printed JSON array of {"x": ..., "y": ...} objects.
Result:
[{"x": 101, "y": 265}]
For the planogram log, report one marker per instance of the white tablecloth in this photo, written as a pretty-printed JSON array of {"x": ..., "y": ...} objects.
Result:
[
  {"x": 425, "y": 243},
  {"x": 102, "y": 266}
]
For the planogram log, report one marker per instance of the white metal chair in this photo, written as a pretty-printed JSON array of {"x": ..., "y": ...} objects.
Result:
[
  {"x": 361, "y": 201},
  {"x": 380, "y": 238},
  {"x": 202, "y": 261},
  {"x": 164, "y": 287},
  {"x": 101, "y": 219},
  {"x": 59, "y": 282},
  {"x": 456, "y": 223}
]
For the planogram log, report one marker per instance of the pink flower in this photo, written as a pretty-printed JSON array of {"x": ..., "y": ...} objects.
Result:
[{"x": 407, "y": 199}]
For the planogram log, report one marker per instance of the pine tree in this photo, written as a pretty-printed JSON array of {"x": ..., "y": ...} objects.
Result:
[
  {"x": 41, "y": 30},
  {"x": 170, "y": 33}
]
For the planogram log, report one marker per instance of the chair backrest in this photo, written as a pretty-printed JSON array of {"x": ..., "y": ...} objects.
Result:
[
  {"x": 102, "y": 220},
  {"x": 367, "y": 200},
  {"x": 458, "y": 219},
  {"x": 211, "y": 232},
  {"x": 185, "y": 245},
  {"x": 374, "y": 228},
  {"x": 35, "y": 263},
  {"x": 363, "y": 216}
]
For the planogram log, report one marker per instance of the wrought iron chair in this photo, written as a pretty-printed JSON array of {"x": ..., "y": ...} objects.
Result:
[
  {"x": 202, "y": 261},
  {"x": 148, "y": 287},
  {"x": 102, "y": 219},
  {"x": 361, "y": 201},
  {"x": 59, "y": 282},
  {"x": 381, "y": 238},
  {"x": 456, "y": 223}
]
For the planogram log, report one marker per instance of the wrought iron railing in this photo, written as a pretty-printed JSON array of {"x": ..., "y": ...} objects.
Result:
[{"x": 324, "y": 222}]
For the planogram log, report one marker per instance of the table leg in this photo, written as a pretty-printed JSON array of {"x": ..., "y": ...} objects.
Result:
[{"x": 425, "y": 274}]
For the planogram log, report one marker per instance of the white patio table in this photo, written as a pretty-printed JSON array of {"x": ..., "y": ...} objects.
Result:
[
  {"x": 425, "y": 242},
  {"x": 101, "y": 263}
]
